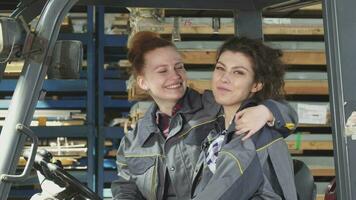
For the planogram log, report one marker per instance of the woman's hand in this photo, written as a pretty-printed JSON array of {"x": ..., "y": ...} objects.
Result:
[{"x": 250, "y": 120}]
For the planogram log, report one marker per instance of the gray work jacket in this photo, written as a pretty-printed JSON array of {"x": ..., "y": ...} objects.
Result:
[
  {"x": 258, "y": 168},
  {"x": 145, "y": 155}
]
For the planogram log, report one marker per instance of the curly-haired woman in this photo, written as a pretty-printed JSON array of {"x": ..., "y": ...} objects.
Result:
[{"x": 247, "y": 72}]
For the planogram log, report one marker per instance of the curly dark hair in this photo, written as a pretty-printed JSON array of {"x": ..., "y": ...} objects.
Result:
[{"x": 266, "y": 63}]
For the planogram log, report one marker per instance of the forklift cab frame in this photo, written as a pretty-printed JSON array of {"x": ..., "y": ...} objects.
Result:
[{"x": 339, "y": 26}]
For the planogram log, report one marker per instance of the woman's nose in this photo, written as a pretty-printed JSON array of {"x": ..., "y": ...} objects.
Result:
[{"x": 225, "y": 77}]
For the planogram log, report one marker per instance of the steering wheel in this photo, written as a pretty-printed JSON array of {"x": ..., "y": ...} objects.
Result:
[
  {"x": 53, "y": 171},
  {"x": 73, "y": 185}
]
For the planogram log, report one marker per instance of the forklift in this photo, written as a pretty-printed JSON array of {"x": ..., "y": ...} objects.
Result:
[{"x": 37, "y": 46}]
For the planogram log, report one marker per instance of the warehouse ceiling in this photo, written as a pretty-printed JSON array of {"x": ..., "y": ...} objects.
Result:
[
  {"x": 197, "y": 4},
  {"x": 205, "y": 4}
]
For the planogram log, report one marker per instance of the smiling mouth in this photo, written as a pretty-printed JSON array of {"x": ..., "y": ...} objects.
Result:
[
  {"x": 223, "y": 89},
  {"x": 174, "y": 86}
]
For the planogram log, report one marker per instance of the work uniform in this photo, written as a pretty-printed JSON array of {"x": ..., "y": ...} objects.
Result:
[
  {"x": 258, "y": 168},
  {"x": 147, "y": 160}
]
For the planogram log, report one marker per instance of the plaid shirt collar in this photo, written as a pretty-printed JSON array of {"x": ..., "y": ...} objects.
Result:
[{"x": 163, "y": 120}]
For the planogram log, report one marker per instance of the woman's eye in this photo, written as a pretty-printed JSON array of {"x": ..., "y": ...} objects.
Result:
[
  {"x": 239, "y": 72},
  {"x": 181, "y": 66},
  {"x": 219, "y": 67},
  {"x": 162, "y": 71}
]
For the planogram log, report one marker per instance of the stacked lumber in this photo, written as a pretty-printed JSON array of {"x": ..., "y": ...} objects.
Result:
[{"x": 292, "y": 87}]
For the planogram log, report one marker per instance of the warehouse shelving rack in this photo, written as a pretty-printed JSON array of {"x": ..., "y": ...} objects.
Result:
[{"x": 105, "y": 102}]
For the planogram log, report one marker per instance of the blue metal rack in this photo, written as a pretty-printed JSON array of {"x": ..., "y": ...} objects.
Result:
[
  {"x": 53, "y": 104},
  {"x": 107, "y": 85},
  {"x": 8, "y": 85},
  {"x": 115, "y": 40}
]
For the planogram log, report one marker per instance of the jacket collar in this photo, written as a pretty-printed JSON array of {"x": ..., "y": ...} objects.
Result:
[
  {"x": 210, "y": 106},
  {"x": 191, "y": 102}
]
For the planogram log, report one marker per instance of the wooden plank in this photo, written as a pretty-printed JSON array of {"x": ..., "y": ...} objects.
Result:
[
  {"x": 282, "y": 45},
  {"x": 314, "y": 125},
  {"x": 306, "y": 141},
  {"x": 136, "y": 93},
  {"x": 208, "y": 57},
  {"x": 304, "y": 57},
  {"x": 204, "y": 25},
  {"x": 307, "y": 11},
  {"x": 306, "y": 87},
  {"x": 292, "y": 87},
  {"x": 310, "y": 145},
  {"x": 198, "y": 56},
  {"x": 322, "y": 171},
  {"x": 316, "y": 7},
  {"x": 289, "y": 57},
  {"x": 292, "y": 30}
]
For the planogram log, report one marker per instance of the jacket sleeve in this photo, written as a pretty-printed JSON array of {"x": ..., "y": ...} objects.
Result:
[
  {"x": 286, "y": 118},
  {"x": 238, "y": 174},
  {"x": 124, "y": 188}
]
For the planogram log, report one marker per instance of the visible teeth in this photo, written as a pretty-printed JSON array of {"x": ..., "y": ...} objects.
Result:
[{"x": 174, "y": 86}]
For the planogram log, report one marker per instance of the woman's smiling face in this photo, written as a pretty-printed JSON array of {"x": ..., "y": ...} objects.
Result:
[
  {"x": 233, "y": 79},
  {"x": 163, "y": 75}
]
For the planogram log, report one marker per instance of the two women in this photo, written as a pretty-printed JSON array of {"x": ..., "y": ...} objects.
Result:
[{"x": 158, "y": 158}]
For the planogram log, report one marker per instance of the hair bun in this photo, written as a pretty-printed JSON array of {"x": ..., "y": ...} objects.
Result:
[{"x": 139, "y": 39}]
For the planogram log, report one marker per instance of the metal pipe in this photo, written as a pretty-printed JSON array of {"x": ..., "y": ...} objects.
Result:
[{"x": 29, "y": 86}]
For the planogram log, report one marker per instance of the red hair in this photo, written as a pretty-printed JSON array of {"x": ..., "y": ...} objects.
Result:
[{"x": 140, "y": 44}]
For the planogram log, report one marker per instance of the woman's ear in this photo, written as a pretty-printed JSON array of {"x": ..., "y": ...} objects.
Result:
[
  {"x": 257, "y": 87},
  {"x": 141, "y": 82}
]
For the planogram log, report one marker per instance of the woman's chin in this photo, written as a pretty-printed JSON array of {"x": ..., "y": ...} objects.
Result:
[{"x": 223, "y": 101}]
